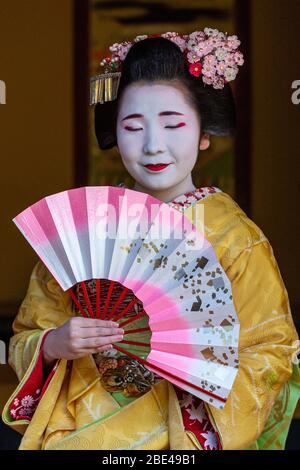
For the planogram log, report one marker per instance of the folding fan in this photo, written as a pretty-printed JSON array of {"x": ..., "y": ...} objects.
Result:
[{"x": 106, "y": 244}]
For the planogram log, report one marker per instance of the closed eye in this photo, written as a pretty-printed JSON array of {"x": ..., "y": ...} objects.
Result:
[
  {"x": 181, "y": 124},
  {"x": 131, "y": 129}
]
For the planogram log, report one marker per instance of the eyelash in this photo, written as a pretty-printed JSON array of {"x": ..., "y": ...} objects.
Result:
[{"x": 140, "y": 129}]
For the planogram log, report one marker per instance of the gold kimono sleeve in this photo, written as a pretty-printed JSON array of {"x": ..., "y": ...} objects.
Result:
[
  {"x": 44, "y": 307},
  {"x": 268, "y": 340}
]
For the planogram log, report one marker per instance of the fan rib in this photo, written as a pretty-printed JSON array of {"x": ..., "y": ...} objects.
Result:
[
  {"x": 77, "y": 303},
  {"x": 98, "y": 315},
  {"x": 130, "y": 320},
  {"x": 146, "y": 363},
  {"x": 136, "y": 343},
  {"x": 125, "y": 310},
  {"x": 111, "y": 286},
  {"x": 138, "y": 330},
  {"x": 87, "y": 299},
  {"x": 125, "y": 289}
]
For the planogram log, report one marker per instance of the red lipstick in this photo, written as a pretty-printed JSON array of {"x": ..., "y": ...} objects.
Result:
[{"x": 157, "y": 167}]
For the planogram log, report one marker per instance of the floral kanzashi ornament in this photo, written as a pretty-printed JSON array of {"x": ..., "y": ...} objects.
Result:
[{"x": 209, "y": 54}]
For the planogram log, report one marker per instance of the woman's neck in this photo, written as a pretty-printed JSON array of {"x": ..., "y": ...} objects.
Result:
[{"x": 168, "y": 194}]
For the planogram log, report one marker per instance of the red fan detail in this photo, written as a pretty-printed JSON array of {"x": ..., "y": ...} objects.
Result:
[
  {"x": 117, "y": 302},
  {"x": 110, "y": 300}
]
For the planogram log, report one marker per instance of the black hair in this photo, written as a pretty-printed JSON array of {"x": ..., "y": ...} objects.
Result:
[{"x": 159, "y": 59}]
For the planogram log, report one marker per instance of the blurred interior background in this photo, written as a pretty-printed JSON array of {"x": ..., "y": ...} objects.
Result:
[{"x": 48, "y": 51}]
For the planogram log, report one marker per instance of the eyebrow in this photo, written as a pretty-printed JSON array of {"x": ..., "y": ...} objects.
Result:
[{"x": 163, "y": 113}]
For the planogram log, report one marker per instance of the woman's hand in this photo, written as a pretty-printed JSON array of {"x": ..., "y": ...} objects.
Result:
[{"x": 79, "y": 337}]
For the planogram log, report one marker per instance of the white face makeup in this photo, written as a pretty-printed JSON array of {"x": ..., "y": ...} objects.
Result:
[{"x": 157, "y": 125}]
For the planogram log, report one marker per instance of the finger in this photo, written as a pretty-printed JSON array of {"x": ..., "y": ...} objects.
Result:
[
  {"x": 85, "y": 352},
  {"x": 106, "y": 347},
  {"x": 100, "y": 341},
  {"x": 99, "y": 331},
  {"x": 95, "y": 322}
]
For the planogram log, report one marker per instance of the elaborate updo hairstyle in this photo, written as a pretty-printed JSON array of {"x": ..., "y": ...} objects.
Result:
[{"x": 159, "y": 59}]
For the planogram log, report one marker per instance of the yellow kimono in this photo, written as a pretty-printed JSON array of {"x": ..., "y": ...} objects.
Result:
[{"x": 76, "y": 412}]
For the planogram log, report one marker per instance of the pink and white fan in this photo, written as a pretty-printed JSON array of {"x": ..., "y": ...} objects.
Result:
[{"x": 122, "y": 242}]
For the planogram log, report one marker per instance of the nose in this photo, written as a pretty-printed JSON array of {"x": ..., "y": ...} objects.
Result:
[{"x": 153, "y": 142}]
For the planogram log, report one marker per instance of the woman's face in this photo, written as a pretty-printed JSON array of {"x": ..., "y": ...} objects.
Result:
[{"x": 155, "y": 125}]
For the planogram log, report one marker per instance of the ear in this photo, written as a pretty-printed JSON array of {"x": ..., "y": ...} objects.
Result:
[{"x": 204, "y": 142}]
